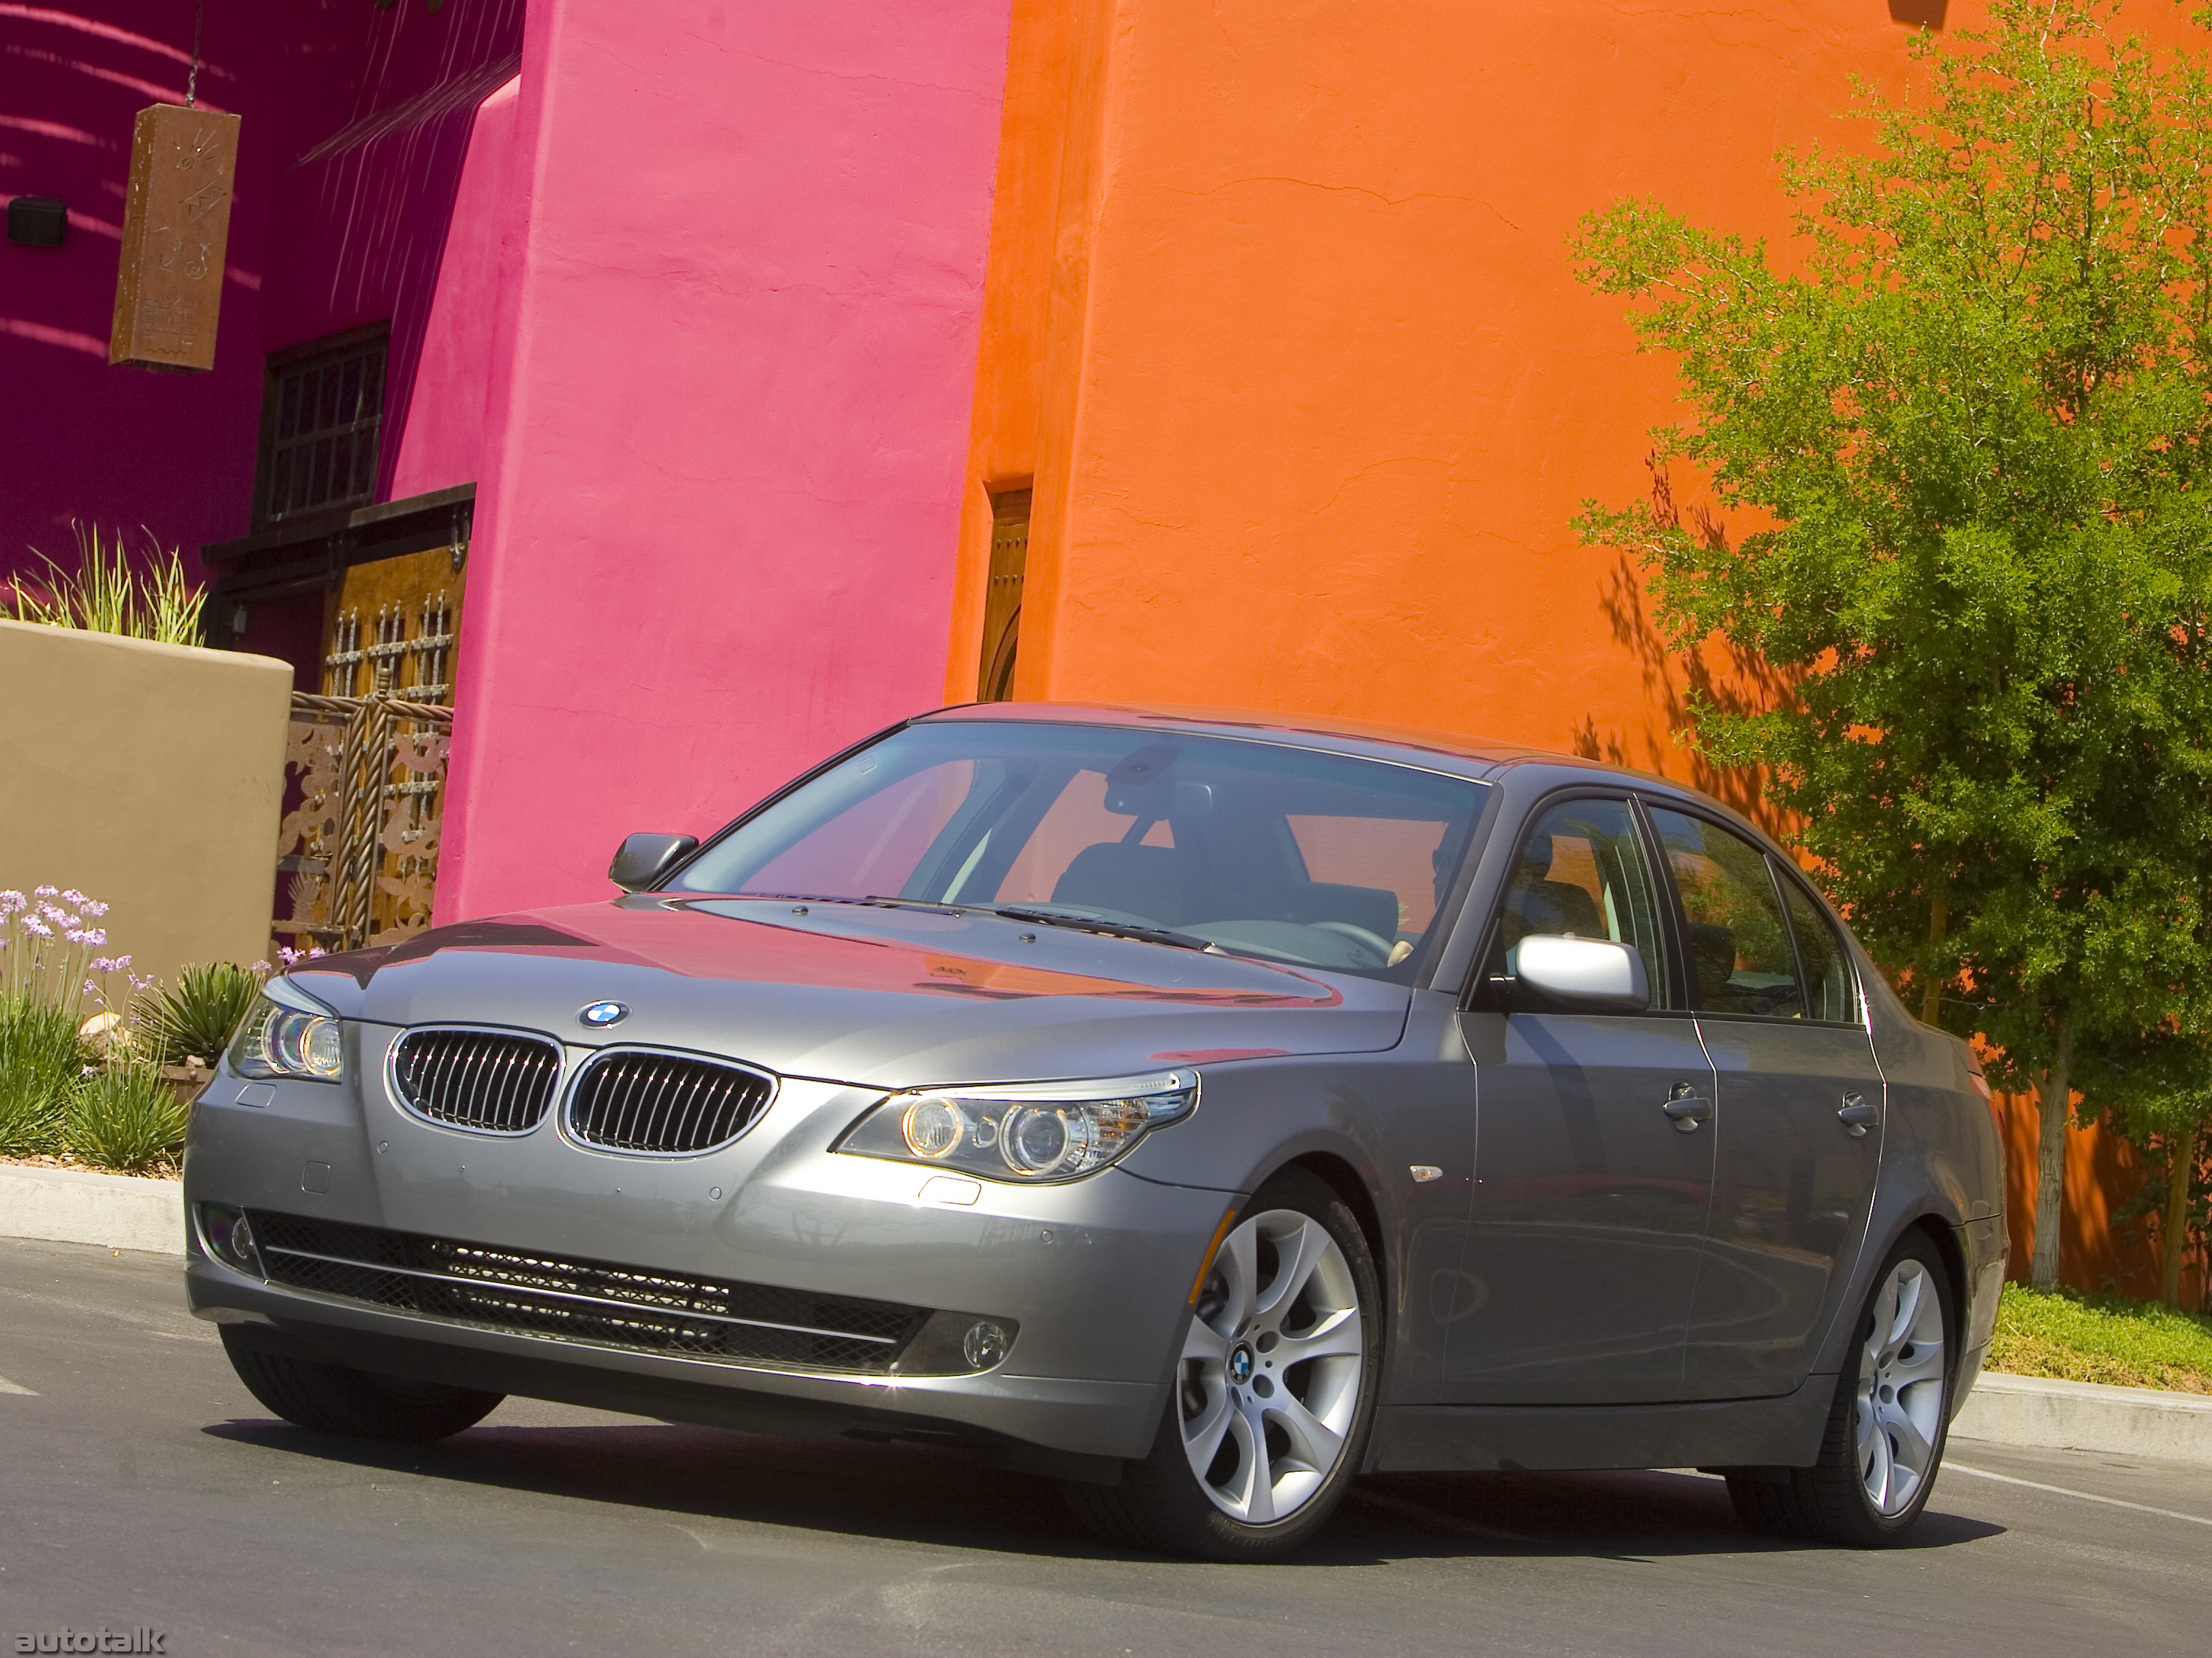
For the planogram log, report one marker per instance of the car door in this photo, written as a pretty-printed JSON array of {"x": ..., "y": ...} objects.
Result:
[
  {"x": 1589, "y": 1212},
  {"x": 1797, "y": 1108}
]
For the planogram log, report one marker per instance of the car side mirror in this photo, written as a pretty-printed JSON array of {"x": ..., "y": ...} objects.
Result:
[
  {"x": 1590, "y": 976},
  {"x": 642, "y": 860}
]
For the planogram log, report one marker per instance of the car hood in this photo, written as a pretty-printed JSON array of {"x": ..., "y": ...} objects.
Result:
[{"x": 878, "y": 996}]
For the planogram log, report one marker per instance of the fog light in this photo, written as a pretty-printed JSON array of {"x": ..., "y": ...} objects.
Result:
[
  {"x": 957, "y": 1344},
  {"x": 229, "y": 1236},
  {"x": 985, "y": 1344}
]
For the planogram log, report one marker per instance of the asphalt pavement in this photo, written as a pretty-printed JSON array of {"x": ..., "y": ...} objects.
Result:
[{"x": 142, "y": 1488}]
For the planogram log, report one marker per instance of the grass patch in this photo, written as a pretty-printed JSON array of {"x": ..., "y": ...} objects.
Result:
[
  {"x": 126, "y": 1119},
  {"x": 2082, "y": 1337},
  {"x": 40, "y": 1060}
]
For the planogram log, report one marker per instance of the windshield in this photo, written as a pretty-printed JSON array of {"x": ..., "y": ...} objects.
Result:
[{"x": 1262, "y": 849}]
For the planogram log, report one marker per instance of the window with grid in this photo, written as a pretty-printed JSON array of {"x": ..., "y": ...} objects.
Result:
[{"x": 325, "y": 407}]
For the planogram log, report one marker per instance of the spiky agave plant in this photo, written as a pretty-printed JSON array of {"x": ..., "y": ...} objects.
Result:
[{"x": 196, "y": 1019}]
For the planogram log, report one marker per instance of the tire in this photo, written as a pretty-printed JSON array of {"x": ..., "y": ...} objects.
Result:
[
  {"x": 1267, "y": 1421},
  {"x": 333, "y": 1398},
  {"x": 1885, "y": 1436}
]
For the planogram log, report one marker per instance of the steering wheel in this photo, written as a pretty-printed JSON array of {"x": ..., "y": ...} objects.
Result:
[{"x": 1359, "y": 935}]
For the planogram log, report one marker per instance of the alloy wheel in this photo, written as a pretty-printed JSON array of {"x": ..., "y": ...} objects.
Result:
[
  {"x": 1271, "y": 1367},
  {"x": 1899, "y": 1418}
]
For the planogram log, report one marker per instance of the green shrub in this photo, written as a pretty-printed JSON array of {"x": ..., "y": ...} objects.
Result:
[
  {"x": 40, "y": 1060},
  {"x": 106, "y": 594},
  {"x": 125, "y": 1118},
  {"x": 197, "y": 1019}
]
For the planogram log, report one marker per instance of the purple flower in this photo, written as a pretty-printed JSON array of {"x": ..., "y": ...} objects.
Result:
[
  {"x": 46, "y": 892},
  {"x": 103, "y": 964},
  {"x": 90, "y": 988},
  {"x": 137, "y": 983},
  {"x": 72, "y": 897},
  {"x": 261, "y": 967},
  {"x": 11, "y": 901},
  {"x": 33, "y": 924},
  {"x": 93, "y": 906}
]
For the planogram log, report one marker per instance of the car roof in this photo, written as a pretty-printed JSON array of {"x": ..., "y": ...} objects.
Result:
[{"x": 1467, "y": 757}]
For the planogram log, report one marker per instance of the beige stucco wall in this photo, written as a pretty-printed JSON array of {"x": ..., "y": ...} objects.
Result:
[{"x": 147, "y": 775}]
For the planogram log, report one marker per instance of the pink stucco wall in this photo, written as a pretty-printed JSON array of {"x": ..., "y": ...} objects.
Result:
[
  {"x": 469, "y": 311},
  {"x": 721, "y": 479}
]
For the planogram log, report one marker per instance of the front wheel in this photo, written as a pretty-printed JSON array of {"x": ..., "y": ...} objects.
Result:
[
  {"x": 1274, "y": 1390},
  {"x": 334, "y": 1399},
  {"x": 1886, "y": 1429}
]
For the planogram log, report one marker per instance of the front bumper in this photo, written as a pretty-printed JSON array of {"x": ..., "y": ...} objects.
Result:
[{"x": 1095, "y": 1273}]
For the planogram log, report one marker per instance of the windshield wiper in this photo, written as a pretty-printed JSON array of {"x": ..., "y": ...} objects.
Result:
[
  {"x": 1151, "y": 935},
  {"x": 872, "y": 901}
]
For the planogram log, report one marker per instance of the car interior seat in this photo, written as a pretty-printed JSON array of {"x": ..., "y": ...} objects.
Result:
[
  {"x": 1152, "y": 881},
  {"x": 1712, "y": 952},
  {"x": 1537, "y": 903}
]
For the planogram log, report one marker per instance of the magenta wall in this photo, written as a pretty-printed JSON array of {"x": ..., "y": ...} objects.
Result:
[
  {"x": 122, "y": 446},
  {"x": 369, "y": 224},
  {"x": 717, "y": 510},
  {"x": 357, "y": 143}
]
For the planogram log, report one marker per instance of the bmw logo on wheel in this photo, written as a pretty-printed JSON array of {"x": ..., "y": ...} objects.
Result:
[{"x": 603, "y": 1013}]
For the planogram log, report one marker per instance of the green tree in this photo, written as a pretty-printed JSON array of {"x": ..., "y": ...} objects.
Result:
[
  {"x": 2157, "y": 1090},
  {"x": 1969, "y": 417}
]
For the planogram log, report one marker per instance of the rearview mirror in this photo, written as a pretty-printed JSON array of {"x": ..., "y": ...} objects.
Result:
[
  {"x": 1591, "y": 975},
  {"x": 642, "y": 860}
]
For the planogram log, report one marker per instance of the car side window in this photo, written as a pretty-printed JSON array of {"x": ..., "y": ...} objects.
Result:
[
  {"x": 1581, "y": 873},
  {"x": 1829, "y": 992},
  {"x": 1740, "y": 960}
]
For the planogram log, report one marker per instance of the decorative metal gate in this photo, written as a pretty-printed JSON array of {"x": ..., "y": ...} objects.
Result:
[{"x": 357, "y": 855}]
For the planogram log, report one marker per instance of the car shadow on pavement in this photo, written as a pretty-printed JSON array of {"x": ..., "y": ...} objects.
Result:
[{"x": 922, "y": 1495}]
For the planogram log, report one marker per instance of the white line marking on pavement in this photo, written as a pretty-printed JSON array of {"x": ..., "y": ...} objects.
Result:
[
  {"x": 2087, "y": 1496},
  {"x": 8, "y": 1387}
]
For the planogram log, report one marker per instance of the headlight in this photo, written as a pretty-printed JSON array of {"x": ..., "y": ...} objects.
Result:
[
  {"x": 1029, "y": 1133},
  {"x": 288, "y": 1033}
]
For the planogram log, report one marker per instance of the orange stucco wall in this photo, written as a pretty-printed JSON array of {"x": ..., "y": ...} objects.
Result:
[{"x": 1280, "y": 322}]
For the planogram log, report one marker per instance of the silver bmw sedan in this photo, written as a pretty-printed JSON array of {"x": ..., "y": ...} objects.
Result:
[{"x": 1200, "y": 1109}]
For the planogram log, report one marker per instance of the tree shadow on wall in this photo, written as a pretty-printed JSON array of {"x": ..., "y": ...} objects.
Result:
[
  {"x": 1670, "y": 679},
  {"x": 1921, "y": 14}
]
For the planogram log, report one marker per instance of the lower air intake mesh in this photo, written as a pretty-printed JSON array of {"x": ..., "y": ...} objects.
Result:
[{"x": 634, "y": 1308}]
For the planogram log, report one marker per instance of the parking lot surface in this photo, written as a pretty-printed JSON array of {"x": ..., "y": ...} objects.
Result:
[{"x": 142, "y": 1488}]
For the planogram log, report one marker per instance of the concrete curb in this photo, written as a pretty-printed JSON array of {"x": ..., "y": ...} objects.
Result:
[
  {"x": 2087, "y": 1416},
  {"x": 74, "y": 1205}
]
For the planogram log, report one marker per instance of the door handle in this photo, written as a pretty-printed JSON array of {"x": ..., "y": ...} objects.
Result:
[
  {"x": 1857, "y": 1116},
  {"x": 1685, "y": 1108}
]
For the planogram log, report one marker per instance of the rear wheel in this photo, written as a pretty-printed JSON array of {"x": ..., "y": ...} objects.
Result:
[
  {"x": 1886, "y": 1429},
  {"x": 334, "y": 1399},
  {"x": 1274, "y": 1393}
]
